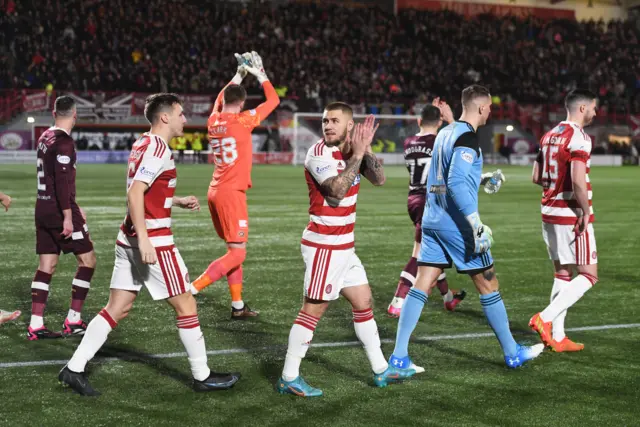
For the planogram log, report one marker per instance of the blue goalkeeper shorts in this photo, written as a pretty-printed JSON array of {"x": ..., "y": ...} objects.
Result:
[{"x": 442, "y": 248}]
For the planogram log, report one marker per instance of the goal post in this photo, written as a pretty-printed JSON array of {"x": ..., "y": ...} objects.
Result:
[{"x": 307, "y": 130}]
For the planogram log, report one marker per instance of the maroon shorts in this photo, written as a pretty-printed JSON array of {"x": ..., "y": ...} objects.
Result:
[
  {"x": 415, "y": 206},
  {"x": 50, "y": 241}
]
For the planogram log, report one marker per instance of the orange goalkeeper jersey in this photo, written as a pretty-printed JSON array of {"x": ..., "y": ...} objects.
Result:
[{"x": 230, "y": 140}]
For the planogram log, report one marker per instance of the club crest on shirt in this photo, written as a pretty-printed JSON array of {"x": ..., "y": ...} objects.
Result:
[{"x": 467, "y": 157}]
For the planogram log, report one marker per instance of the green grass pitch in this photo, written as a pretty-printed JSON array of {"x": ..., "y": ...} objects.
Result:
[{"x": 466, "y": 382}]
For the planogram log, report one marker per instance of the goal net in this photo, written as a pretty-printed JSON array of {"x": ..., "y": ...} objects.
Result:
[{"x": 306, "y": 130}]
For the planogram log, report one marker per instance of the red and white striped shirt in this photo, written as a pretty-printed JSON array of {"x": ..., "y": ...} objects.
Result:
[
  {"x": 332, "y": 221},
  {"x": 562, "y": 145},
  {"x": 151, "y": 161}
]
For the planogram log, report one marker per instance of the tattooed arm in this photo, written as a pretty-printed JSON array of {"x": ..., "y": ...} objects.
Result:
[
  {"x": 372, "y": 168},
  {"x": 337, "y": 187}
]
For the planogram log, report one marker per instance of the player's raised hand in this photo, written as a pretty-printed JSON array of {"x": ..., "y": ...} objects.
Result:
[
  {"x": 190, "y": 202},
  {"x": 5, "y": 201},
  {"x": 256, "y": 68},
  {"x": 147, "y": 251},
  {"x": 358, "y": 141},
  {"x": 244, "y": 60},
  {"x": 369, "y": 128},
  {"x": 445, "y": 112}
]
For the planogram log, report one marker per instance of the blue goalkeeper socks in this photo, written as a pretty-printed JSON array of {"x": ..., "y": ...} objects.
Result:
[
  {"x": 496, "y": 313},
  {"x": 409, "y": 316}
]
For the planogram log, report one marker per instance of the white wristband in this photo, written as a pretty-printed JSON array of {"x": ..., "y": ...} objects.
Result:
[{"x": 237, "y": 79}]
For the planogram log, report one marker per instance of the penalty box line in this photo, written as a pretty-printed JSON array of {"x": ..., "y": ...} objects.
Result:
[{"x": 467, "y": 336}]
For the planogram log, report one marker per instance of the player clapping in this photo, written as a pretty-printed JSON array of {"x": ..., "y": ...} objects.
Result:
[{"x": 230, "y": 130}]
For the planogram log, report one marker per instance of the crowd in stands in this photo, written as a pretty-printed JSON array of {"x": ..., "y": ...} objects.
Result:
[{"x": 312, "y": 51}]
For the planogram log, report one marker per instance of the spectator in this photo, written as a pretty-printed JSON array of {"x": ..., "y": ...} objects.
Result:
[{"x": 316, "y": 51}]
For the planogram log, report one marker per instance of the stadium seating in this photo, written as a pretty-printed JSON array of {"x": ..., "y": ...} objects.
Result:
[{"x": 314, "y": 51}]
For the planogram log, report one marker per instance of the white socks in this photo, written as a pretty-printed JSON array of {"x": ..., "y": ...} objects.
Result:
[
  {"x": 94, "y": 338},
  {"x": 367, "y": 332},
  {"x": 37, "y": 322},
  {"x": 193, "y": 341},
  {"x": 568, "y": 296},
  {"x": 560, "y": 283},
  {"x": 299, "y": 339},
  {"x": 74, "y": 316}
]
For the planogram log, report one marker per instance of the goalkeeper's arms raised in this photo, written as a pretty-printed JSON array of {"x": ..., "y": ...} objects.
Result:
[
  {"x": 241, "y": 73},
  {"x": 465, "y": 153},
  {"x": 256, "y": 68}
]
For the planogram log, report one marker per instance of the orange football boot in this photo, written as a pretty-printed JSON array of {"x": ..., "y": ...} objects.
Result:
[
  {"x": 565, "y": 345},
  {"x": 542, "y": 328}
]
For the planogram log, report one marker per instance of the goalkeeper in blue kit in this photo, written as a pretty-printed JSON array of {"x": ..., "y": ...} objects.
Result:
[{"x": 452, "y": 232}]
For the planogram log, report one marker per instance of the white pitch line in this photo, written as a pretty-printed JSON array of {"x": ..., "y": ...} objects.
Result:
[{"x": 319, "y": 345}]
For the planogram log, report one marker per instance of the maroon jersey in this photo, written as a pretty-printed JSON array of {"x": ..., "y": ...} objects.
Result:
[
  {"x": 56, "y": 168},
  {"x": 417, "y": 156}
]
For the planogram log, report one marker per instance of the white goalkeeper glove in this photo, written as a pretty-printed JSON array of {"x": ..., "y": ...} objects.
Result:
[
  {"x": 492, "y": 181},
  {"x": 244, "y": 60},
  {"x": 256, "y": 68},
  {"x": 482, "y": 235}
]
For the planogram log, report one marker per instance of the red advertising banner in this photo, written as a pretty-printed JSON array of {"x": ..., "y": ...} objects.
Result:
[
  {"x": 37, "y": 101},
  {"x": 473, "y": 9}
]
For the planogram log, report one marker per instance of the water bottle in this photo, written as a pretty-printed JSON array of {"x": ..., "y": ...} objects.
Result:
[{"x": 493, "y": 185}]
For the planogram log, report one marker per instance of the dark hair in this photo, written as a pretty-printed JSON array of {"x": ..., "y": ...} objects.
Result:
[
  {"x": 342, "y": 106},
  {"x": 63, "y": 107},
  {"x": 430, "y": 116},
  {"x": 234, "y": 94},
  {"x": 471, "y": 93},
  {"x": 158, "y": 103},
  {"x": 578, "y": 95}
]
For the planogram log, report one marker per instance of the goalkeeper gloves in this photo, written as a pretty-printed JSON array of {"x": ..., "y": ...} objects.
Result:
[
  {"x": 492, "y": 181},
  {"x": 244, "y": 60},
  {"x": 482, "y": 236},
  {"x": 256, "y": 68}
]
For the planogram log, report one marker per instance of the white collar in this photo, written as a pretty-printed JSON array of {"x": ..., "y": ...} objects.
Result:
[
  {"x": 572, "y": 123},
  {"x": 157, "y": 136}
]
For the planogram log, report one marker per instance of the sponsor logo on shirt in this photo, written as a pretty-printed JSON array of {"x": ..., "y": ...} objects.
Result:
[
  {"x": 146, "y": 172},
  {"x": 467, "y": 157},
  {"x": 65, "y": 160},
  {"x": 438, "y": 189},
  {"x": 323, "y": 169}
]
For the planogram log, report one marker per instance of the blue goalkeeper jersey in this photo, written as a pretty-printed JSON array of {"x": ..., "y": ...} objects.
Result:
[{"x": 454, "y": 179}]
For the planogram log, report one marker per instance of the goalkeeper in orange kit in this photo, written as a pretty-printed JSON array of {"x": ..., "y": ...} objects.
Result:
[{"x": 229, "y": 131}]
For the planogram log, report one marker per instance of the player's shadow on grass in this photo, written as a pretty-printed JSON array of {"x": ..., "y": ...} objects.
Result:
[
  {"x": 454, "y": 351},
  {"x": 130, "y": 355},
  {"x": 480, "y": 319}
]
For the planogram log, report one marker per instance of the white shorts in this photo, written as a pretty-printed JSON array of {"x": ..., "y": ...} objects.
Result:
[
  {"x": 166, "y": 278},
  {"x": 329, "y": 271},
  {"x": 566, "y": 247}
]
